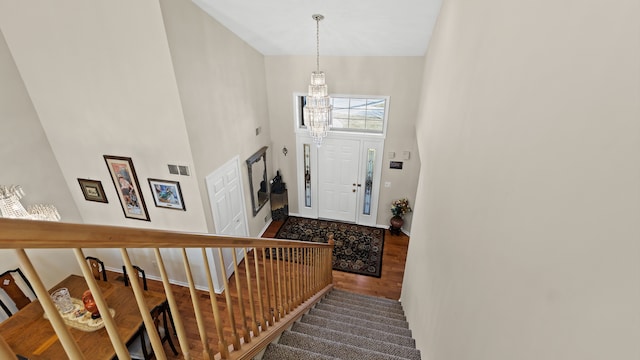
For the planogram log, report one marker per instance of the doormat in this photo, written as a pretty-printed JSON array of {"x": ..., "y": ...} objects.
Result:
[{"x": 358, "y": 249}]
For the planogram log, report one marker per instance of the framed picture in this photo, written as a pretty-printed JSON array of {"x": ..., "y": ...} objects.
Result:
[
  {"x": 167, "y": 194},
  {"x": 92, "y": 190},
  {"x": 126, "y": 182}
]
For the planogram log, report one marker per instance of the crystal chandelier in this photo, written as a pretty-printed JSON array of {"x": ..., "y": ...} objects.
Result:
[
  {"x": 10, "y": 206},
  {"x": 317, "y": 110}
]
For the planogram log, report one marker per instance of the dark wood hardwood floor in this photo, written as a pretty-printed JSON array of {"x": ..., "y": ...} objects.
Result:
[{"x": 389, "y": 285}]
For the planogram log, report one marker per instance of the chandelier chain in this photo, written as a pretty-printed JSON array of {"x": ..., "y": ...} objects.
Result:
[{"x": 318, "y": 44}]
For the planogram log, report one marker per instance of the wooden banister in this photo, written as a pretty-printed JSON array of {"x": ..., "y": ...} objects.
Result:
[
  {"x": 31, "y": 234},
  {"x": 293, "y": 276}
]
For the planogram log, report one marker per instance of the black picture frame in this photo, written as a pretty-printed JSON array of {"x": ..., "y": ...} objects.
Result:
[
  {"x": 124, "y": 178},
  {"x": 92, "y": 190},
  {"x": 167, "y": 194}
]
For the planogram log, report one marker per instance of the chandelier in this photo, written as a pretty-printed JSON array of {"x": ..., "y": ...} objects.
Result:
[
  {"x": 10, "y": 206},
  {"x": 317, "y": 110}
]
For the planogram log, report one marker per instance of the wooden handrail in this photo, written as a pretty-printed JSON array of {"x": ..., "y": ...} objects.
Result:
[
  {"x": 294, "y": 276},
  {"x": 31, "y": 234}
]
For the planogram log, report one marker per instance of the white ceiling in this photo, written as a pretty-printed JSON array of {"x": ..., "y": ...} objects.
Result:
[{"x": 350, "y": 27}]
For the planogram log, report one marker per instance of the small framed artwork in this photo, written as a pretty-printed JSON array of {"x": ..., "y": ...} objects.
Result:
[
  {"x": 127, "y": 186},
  {"x": 92, "y": 190},
  {"x": 167, "y": 194}
]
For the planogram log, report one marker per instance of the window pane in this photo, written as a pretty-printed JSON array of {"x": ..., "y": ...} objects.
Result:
[
  {"x": 356, "y": 124},
  {"x": 358, "y": 114},
  {"x": 368, "y": 185},
  {"x": 374, "y": 125},
  {"x": 340, "y": 123},
  {"x": 359, "y": 103},
  {"x": 339, "y": 103},
  {"x": 340, "y": 118},
  {"x": 377, "y": 103},
  {"x": 375, "y": 114},
  {"x": 341, "y": 114},
  {"x": 307, "y": 175},
  {"x": 303, "y": 102}
]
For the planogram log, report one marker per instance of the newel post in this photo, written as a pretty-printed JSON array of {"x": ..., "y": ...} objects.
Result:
[{"x": 332, "y": 244}]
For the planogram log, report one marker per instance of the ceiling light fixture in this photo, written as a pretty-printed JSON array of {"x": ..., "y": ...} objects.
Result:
[
  {"x": 317, "y": 110},
  {"x": 10, "y": 206}
]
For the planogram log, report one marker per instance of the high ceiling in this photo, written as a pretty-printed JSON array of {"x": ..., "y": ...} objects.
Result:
[{"x": 350, "y": 27}]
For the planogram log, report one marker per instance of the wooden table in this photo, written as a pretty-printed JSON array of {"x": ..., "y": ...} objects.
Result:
[{"x": 31, "y": 335}]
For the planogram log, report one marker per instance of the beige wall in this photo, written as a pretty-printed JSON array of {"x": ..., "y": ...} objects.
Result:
[
  {"x": 221, "y": 81},
  {"x": 27, "y": 160},
  {"x": 529, "y": 198},
  {"x": 102, "y": 81},
  {"x": 397, "y": 77}
]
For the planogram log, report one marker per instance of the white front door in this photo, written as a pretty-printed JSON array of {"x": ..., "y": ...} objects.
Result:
[
  {"x": 340, "y": 180},
  {"x": 227, "y": 206},
  {"x": 338, "y": 166}
]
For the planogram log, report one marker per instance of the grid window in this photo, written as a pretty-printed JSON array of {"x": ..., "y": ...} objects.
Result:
[{"x": 355, "y": 114}]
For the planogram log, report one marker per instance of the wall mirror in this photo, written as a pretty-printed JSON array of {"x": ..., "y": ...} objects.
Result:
[{"x": 258, "y": 183}]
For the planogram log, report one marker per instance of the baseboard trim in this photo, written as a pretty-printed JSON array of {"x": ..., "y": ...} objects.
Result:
[{"x": 266, "y": 226}]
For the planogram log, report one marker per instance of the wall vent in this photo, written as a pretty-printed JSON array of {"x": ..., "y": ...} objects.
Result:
[{"x": 179, "y": 170}]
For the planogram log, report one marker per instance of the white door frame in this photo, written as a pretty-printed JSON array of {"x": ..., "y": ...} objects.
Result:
[
  {"x": 217, "y": 276},
  {"x": 367, "y": 142}
]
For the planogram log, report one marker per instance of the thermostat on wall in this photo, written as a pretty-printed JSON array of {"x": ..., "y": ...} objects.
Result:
[{"x": 395, "y": 165}]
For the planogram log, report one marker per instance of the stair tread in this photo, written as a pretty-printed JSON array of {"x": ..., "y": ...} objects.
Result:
[
  {"x": 357, "y": 341},
  {"x": 370, "y": 309},
  {"x": 362, "y": 315},
  {"x": 361, "y": 322},
  {"x": 339, "y": 292},
  {"x": 359, "y": 330},
  {"x": 331, "y": 348},
  {"x": 364, "y": 302},
  {"x": 285, "y": 352}
]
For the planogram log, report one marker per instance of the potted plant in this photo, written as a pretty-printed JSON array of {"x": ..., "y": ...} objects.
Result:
[{"x": 399, "y": 208}]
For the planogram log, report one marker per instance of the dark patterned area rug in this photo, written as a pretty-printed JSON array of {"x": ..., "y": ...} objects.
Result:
[{"x": 358, "y": 249}]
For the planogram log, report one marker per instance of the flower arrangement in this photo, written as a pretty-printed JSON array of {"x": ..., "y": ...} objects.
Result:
[{"x": 400, "y": 207}]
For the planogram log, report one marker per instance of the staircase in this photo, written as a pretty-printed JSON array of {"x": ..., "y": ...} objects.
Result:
[{"x": 346, "y": 325}]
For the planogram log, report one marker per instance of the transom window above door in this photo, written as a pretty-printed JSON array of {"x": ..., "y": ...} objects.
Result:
[{"x": 352, "y": 113}]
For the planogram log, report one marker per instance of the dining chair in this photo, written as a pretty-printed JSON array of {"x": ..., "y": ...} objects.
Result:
[
  {"x": 139, "y": 274},
  {"x": 140, "y": 347},
  {"x": 12, "y": 289},
  {"x": 97, "y": 268}
]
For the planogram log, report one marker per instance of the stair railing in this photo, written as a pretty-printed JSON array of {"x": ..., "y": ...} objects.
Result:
[{"x": 283, "y": 280}]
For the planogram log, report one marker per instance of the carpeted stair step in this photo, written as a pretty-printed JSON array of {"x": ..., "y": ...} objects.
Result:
[
  {"x": 331, "y": 348},
  {"x": 368, "y": 309},
  {"x": 354, "y": 329},
  {"x": 383, "y": 326},
  {"x": 362, "y": 315},
  {"x": 284, "y": 352},
  {"x": 383, "y": 301},
  {"x": 357, "y": 341},
  {"x": 396, "y": 308}
]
